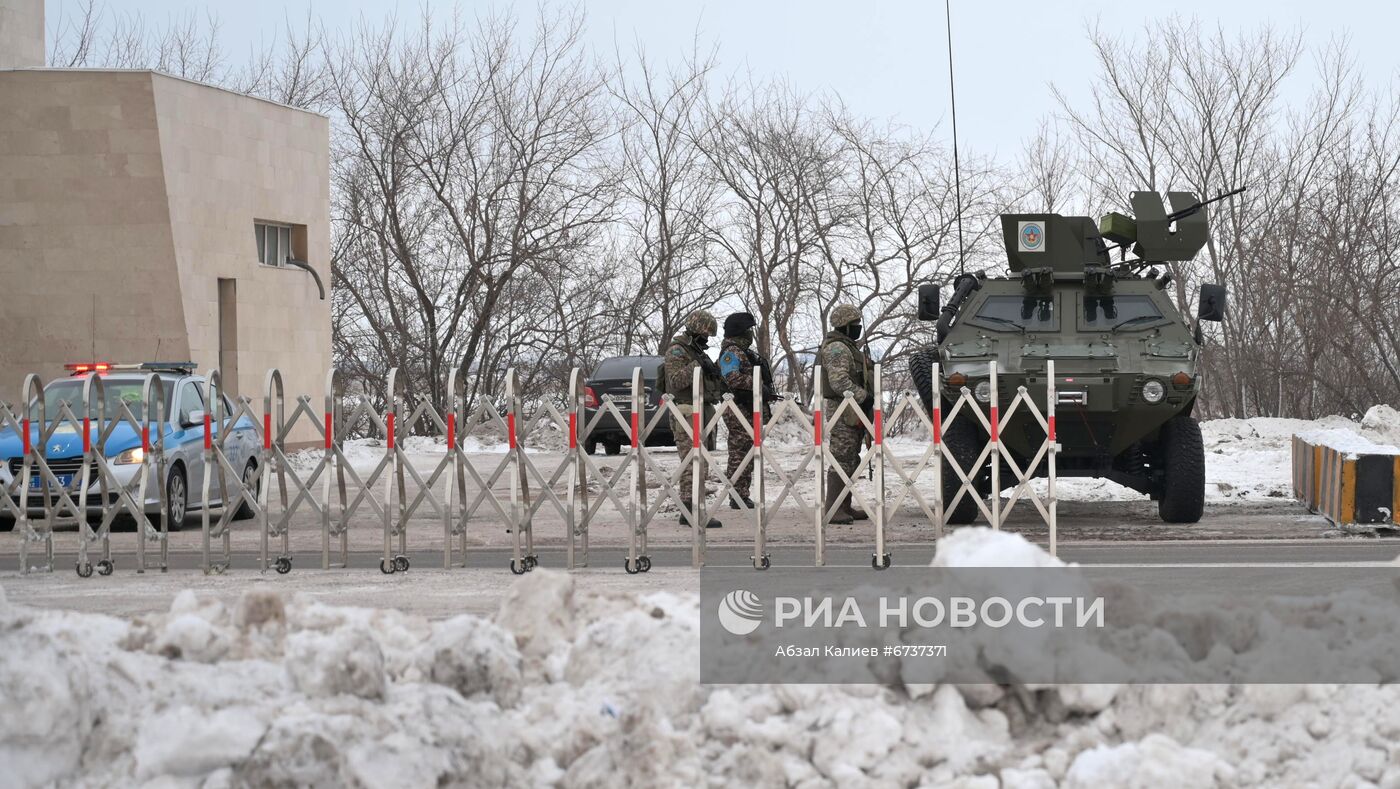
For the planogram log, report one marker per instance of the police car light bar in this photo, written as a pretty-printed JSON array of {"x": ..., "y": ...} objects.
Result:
[
  {"x": 178, "y": 367},
  {"x": 78, "y": 368}
]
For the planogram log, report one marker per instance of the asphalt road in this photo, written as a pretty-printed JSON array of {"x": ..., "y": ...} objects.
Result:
[{"x": 1158, "y": 553}]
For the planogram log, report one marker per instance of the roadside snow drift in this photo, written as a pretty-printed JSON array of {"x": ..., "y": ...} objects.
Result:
[{"x": 574, "y": 689}]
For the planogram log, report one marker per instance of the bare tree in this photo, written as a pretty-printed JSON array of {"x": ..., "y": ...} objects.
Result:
[{"x": 670, "y": 198}]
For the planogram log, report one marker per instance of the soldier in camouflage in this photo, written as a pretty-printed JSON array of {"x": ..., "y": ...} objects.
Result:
[
  {"x": 738, "y": 359},
  {"x": 686, "y": 352},
  {"x": 845, "y": 368}
]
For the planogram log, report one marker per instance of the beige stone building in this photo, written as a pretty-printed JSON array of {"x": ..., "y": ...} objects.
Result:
[{"x": 146, "y": 217}]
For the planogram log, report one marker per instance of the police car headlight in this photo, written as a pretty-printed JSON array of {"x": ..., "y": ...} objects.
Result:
[
  {"x": 130, "y": 457},
  {"x": 1153, "y": 391},
  {"x": 983, "y": 392}
]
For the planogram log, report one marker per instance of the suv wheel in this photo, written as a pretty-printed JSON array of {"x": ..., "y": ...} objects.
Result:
[
  {"x": 962, "y": 440},
  {"x": 1184, "y": 461},
  {"x": 590, "y": 446},
  {"x": 612, "y": 447}
]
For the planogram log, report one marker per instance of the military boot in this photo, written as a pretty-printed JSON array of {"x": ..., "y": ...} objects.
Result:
[
  {"x": 712, "y": 523},
  {"x": 836, "y": 500},
  {"x": 851, "y": 509}
]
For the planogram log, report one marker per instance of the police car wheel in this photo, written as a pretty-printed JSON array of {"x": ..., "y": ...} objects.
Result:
[
  {"x": 177, "y": 498},
  {"x": 252, "y": 482}
]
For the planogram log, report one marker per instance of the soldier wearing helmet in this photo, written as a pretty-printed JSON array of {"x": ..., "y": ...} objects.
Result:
[
  {"x": 685, "y": 353},
  {"x": 740, "y": 361},
  {"x": 845, "y": 368}
]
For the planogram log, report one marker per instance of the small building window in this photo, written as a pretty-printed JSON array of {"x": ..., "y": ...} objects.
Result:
[{"x": 274, "y": 243}]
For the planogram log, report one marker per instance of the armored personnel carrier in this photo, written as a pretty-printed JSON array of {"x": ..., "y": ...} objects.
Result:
[{"x": 1127, "y": 362}]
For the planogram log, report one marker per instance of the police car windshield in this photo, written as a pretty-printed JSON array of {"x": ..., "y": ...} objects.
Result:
[
  {"x": 1026, "y": 313},
  {"x": 115, "y": 390}
]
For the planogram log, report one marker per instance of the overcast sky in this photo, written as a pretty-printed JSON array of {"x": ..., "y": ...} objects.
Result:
[{"x": 887, "y": 60}]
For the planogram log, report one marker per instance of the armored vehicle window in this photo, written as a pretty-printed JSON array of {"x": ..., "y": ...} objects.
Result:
[
  {"x": 1025, "y": 313},
  {"x": 1106, "y": 312}
]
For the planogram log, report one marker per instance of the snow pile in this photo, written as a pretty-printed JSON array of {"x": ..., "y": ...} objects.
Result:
[
  {"x": 1253, "y": 458},
  {"x": 1382, "y": 424},
  {"x": 1346, "y": 441},
  {"x": 982, "y": 546},
  {"x": 573, "y": 689}
]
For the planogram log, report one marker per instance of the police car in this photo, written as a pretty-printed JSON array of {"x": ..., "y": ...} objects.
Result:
[{"x": 186, "y": 402}]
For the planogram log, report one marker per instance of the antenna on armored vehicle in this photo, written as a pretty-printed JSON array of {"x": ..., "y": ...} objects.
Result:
[{"x": 953, "y": 101}]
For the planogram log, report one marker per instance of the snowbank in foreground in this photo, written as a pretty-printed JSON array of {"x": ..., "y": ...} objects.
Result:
[{"x": 574, "y": 689}]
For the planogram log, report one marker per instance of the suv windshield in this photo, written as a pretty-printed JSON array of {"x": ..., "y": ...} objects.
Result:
[
  {"x": 620, "y": 367},
  {"x": 116, "y": 391},
  {"x": 1025, "y": 313},
  {"x": 1129, "y": 312}
]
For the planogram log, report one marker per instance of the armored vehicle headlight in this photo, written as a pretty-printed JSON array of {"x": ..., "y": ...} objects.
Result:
[
  {"x": 983, "y": 392},
  {"x": 1153, "y": 391}
]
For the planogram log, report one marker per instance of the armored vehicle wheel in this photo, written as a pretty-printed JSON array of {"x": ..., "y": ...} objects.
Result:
[
  {"x": 963, "y": 441},
  {"x": 1184, "y": 460}
]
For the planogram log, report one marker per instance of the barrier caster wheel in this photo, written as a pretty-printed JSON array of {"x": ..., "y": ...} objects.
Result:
[
  {"x": 105, "y": 567},
  {"x": 630, "y": 568},
  {"x": 644, "y": 562},
  {"x": 401, "y": 563},
  {"x": 880, "y": 562},
  {"x": 386, "y": 566},
  {"x": 84, "y": 569},
  {"x": 518, "y": 569},
  {"x": 530, "y": 562},
  {"x": 284, "y": 565},
  {"x": 762, "y": 563}
]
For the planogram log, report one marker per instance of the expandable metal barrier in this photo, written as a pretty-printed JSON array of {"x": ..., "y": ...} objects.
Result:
[{"x": 385, "y": 492}]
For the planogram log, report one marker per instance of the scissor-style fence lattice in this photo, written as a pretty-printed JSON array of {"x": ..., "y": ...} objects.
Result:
[{"x": 469, "y": 486}]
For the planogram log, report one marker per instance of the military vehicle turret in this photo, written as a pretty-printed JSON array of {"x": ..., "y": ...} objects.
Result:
[{"x": 1127, "y": 362}]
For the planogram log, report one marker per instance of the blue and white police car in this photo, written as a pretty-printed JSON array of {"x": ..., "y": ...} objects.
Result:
[{"x": 186, "y": 402}]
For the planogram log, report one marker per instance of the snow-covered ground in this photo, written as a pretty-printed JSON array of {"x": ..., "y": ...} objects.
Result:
[{"x": 570, "y": 687}]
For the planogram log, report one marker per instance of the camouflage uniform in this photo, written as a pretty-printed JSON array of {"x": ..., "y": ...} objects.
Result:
[
  {"x": 682, "y": 356},
  {"x": 736, "y": 362},
  {"x": 845, "y": 368}
]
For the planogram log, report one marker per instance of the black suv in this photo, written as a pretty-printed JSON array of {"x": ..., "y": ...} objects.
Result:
[{"x": 613, "y": 376}]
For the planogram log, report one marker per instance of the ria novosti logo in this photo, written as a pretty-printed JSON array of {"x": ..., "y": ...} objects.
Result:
[{"x": 740, "y": 612}]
